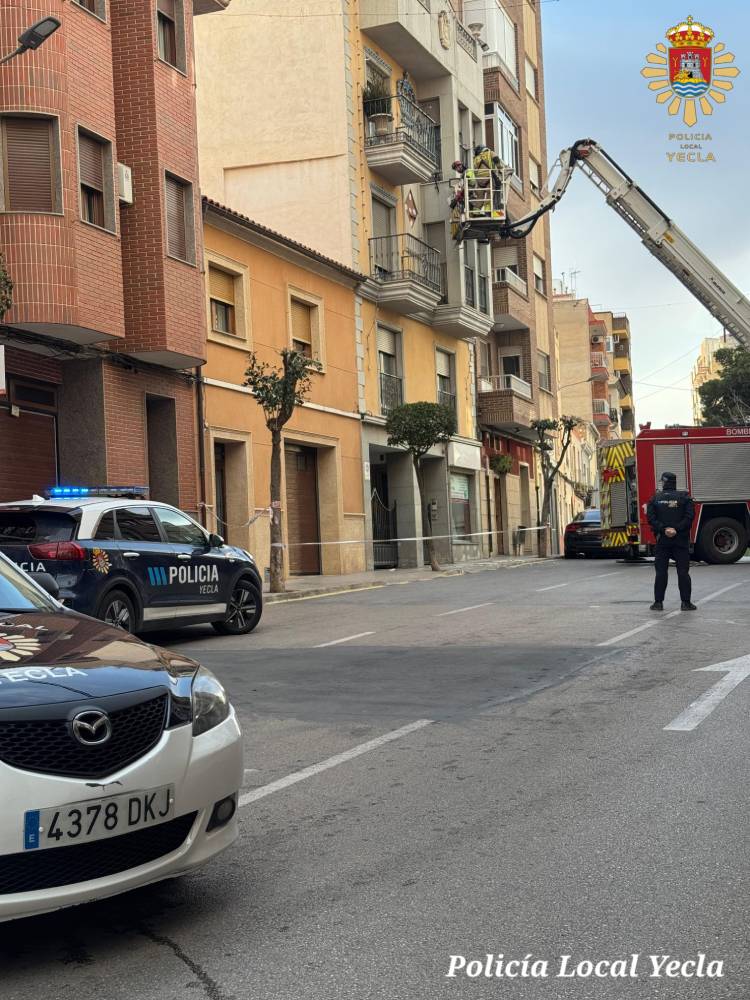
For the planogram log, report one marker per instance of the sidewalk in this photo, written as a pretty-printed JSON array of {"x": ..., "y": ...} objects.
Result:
[{"x": 299, "y": 587}]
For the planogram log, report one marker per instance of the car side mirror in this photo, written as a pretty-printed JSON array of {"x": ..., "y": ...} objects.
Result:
[
  {"x": 47, "y": 582},
  {"x": 215, "y": 541}
]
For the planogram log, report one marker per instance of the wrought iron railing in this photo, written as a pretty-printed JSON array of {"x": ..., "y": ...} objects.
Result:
[
  {"x": 600, "y": 406},
  {"x": 496, "y": 383},
  {"x": 391, "y": 392},
  {"x": 408, "y": 123},
  {"x": 466, "y": 40},
  {"x": 404, "y": 257},
  {"x": 447, "y": 399}
]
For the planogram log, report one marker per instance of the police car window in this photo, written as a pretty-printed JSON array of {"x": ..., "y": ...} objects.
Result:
[
  {"x": 180, "y": 530},
  {"x": 17, "y": 593},
  {"x": 24, "y": 527},
  {"x": 136, "y": 524},
  {"x": 105, "y": 532}
]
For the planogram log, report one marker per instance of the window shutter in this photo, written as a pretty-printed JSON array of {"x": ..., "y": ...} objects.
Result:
[
  {"x": 538, "y": 267},
  {"x": 28, "y": 161},
  {"x": 167, "y": 8},
  {"x": 535, "y": 174},
  {"x": 176, "y": 237},
  {"x": 221, "y": 285},
  {"x": 90, "y": 156},
  {"x": 386, "y": 341},
  {"x": 443, "y": 364},
  {"x": 301, "y": 322},
  {"x": 505, "y": 256}
]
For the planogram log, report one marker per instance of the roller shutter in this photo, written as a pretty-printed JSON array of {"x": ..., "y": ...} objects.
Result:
[
  {"x": 721, "y": 472},
  {"x": 28, "y": 454},
  {"x": 670, "y": 458}
]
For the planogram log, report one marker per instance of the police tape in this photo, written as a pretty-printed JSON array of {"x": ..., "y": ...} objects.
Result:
[{"x": 414, "y": 538}]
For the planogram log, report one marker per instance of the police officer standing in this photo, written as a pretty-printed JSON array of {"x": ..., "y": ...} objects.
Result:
[{"x": 670, "y": 514}]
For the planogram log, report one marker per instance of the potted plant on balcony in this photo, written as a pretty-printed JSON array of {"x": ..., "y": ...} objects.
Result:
[
  {"x": 376, "y": 100},
  {"x": 501, "y": 464}
]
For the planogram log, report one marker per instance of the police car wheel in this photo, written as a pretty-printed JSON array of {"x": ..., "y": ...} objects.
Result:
[
  {"x": 117, "y": 609},
  {"x": 243, "y": 611}
]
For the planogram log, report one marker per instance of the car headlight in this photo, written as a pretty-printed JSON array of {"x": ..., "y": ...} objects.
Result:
[{"x": 210, "y": 702}]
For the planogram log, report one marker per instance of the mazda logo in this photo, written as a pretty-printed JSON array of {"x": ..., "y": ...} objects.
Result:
[{"x": 92, "y": 727}]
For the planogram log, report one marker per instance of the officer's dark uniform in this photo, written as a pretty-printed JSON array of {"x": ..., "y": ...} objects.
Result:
[{"x": 671, "y": 508}]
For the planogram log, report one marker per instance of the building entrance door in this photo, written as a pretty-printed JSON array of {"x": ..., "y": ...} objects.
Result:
[
  {"x": 302, "y": 510},
  {"x": 501, "y": 547}
]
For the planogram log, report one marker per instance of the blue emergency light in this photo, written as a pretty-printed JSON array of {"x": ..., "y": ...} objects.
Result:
[{"x": 122, "y": 492}]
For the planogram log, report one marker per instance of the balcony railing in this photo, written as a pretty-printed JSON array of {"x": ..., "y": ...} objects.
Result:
[
  {"x": 447, "y": 399},
  {"x": 405, "y": 258},
  {"x": 600, "y": 406},
  {"x": 408, "y": 123},
  {"x": 495, "y": 383},
  {"x": 391, "y": 392},
  {"x": 466, "y": 40},
  {"x": 507, "y": 276},
  {"x": 598, "y": 360},
  {"x": 469, "y": 287}
]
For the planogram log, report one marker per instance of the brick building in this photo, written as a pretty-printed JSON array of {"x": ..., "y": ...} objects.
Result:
[{"x": 100, "y": 227}]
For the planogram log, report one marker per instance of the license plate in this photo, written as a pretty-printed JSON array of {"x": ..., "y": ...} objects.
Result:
[{"x": 97, "y": 819}]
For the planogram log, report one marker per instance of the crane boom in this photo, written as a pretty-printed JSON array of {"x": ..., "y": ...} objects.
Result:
[{"x": 659, "y": 234}]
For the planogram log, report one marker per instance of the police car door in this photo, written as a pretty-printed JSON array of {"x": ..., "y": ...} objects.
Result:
[
  {"x": 147, "y": 559},
  {"x": 201, "y": 575}
]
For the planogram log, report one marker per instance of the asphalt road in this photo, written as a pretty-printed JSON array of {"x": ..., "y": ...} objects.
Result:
[{"x": 513, "y": 791}]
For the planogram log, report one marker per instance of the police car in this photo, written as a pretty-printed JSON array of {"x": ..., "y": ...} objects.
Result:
[
  {"x": 120, "y": 763},
  {"x": 132, "y": 562}
]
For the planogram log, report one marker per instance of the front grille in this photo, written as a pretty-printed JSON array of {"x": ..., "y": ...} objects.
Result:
[
  {"x": 47, "y": 746},
  {"x": 33, "y": 871}
]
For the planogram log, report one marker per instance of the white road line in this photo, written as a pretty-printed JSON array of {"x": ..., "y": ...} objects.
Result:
[
  {"x": 348, "y": 638},
  {"x": 737, "y": 671},
  {"x": 325, "y": 765},
  {"x": 718, "y": 593},
  {"x": 582, "y": 579},
  {"x": 458, "y": 611},
  {"x": 541, "y": 590}
]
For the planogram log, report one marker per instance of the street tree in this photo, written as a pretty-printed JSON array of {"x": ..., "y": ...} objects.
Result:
[
  {"x": 726, "y": 400},
  {"x": 278, "y": 391},
  {"x": 417, "y": 427},
  {"x": 546, "y": 432},
  {"x": 6, "y": 288}
]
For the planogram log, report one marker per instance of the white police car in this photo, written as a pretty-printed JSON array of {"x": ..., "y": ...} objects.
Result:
[
  {"x": 120, "y": 763},
  {"x": 132, "y": 562}
]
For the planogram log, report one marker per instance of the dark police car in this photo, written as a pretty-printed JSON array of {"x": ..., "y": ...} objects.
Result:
[{"x": 132, "y": 562}]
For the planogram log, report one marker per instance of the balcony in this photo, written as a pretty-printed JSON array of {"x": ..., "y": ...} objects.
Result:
[
  {"x": 402, "y": 141},
  {"x": 391, "y": 392},
  {"x": 601, "y": 412},
  {"x": 626, "y": 402},
  {"x": 599, "y": 364},
  {"x": 510, "y": 301},
  {"x": 505, "y": 401},
  {"x": 209, "y": 6},
  {"x": 622, "y": 363},
  {"x": 406, "y": 272},
  {"x": 457, "y": 313}
]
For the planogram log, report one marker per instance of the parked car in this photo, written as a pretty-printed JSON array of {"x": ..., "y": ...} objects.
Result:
[
  {"x": 120, "y": 763},
  {"x": 132, "y": 562},
  {"x": 583, "y": 536}
]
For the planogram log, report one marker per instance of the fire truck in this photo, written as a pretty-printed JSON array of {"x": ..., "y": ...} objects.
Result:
[{"x": 711, "y": 463}]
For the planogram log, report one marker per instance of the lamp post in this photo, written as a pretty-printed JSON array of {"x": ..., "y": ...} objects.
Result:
[{"x": 33, "y": 37}]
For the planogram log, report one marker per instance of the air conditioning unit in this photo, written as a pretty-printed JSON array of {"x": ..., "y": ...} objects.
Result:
[
  {"x": 597, "y": 340},
  {"x": 125, "y": 184}
]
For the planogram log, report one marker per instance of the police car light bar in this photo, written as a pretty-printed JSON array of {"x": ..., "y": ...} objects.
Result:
[{"x": 73, "y": 492}]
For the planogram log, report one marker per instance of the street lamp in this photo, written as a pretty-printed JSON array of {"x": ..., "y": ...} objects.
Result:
[{"x": 33, "y": 37}]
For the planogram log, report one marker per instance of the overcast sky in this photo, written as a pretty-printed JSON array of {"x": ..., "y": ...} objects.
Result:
[{"x": 594, "y": 52}]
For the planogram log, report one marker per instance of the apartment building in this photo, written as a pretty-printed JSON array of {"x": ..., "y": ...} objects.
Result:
[
  {"x": 264, "y": 293},
  {"x": 706, "y": 368},
  {"x": 346, "y": 146},
  {"x": 100, "y": 225},
  {"x": 517, "y": 365},
  {"x": 620, "y": 368}
]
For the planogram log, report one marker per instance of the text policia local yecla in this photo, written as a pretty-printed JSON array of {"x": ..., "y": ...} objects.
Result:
[{"x": 566, "y": 967}]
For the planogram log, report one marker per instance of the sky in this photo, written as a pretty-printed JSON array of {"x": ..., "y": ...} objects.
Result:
[{"x": 593, "y": 55}]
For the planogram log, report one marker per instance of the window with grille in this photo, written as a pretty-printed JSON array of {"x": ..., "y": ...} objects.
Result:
[
  {"x": 29, "y": 153},
  {"x": 93, "y": 158},
  {"x": 179, "y": 211},
  {"x": 302, "y": 328},
  {"x": 539, "y": 280},
  {"x": 446, "y": 391},
  {"x": 545, "y": 371},
  {"x": 221, "y": 286},
  {"x": 170, "y": 32}
]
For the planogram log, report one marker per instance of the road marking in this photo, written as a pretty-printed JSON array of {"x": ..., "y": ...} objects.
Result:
[
  {"x": 737, "y": 671},
  {"x": 458, "y": 611},
  {"x": 325, "y": 765},
  {"x": 582, "y": 579},
  {"x": 541, "y": 590},
  {"x": 658, "y": 621},
  {"x": 348, "y": 638}
]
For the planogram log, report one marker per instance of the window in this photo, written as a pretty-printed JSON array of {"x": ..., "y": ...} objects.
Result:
[
  {"x": 96, "y": 7},
  {"x": 222, "y": 292},
  {"x": 105, "y": 531},
  {"x": 532, "y": 79},
  {"x": 389, "y": 370},
  {"x": 511, "y": 365},
  {"x": 504, "y": 134},
  {"x": 29, "y": 174},
  {"x": 136, "y": 524},
  {"x": 460, "y": 486},
  {"x": 545, "y": 372},
  {"x": 539, "y": 281},
  {"x": 179, "y": 206},
  {"x": 94, "y": 168},
  {"x": 180, "y": 530},
  {"x": 506, "y": 42},
  {"x": 535, "y": 177},
  {"x": 446, "y": 391},
  {"x": 302, "y": 321},
  {"x": 484, "y": 359},
  {"x": 170, "y": 31}
]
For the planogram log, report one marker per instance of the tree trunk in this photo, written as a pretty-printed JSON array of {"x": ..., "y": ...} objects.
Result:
[
  {"x": 544, "y": 516},
  {"x": 277, "y": 545},
  {"x": 426, "y": 526}
]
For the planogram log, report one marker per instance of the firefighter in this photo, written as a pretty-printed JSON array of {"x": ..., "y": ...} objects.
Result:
[{"x": 670, "y": 514}]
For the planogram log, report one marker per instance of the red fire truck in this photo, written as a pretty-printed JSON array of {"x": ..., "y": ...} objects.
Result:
[{"x": 711, "y": 463}]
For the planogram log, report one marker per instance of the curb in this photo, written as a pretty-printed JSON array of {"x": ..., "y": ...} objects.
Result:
[{"x": 342, "y": 588}]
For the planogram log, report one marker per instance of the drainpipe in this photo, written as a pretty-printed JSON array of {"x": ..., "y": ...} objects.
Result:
[{"x": 201, "y": 408}]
